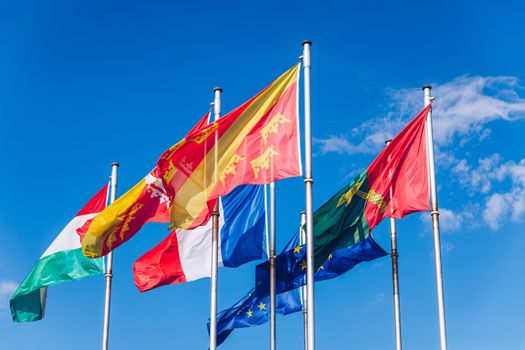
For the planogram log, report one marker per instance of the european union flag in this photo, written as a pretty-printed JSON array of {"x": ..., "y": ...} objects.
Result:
[
  {"x": 253, "y": 308},
  {"x": 291, "y": 265},
  {"x": 253, "y": 311}
]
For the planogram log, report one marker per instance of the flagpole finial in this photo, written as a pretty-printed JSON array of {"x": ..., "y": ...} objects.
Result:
[
  {"x": 426, "y": 86},
  {"x": 217, "y": 88},
  {"x": 309, "y": 42},
  {"x": 115, "y": 164}
]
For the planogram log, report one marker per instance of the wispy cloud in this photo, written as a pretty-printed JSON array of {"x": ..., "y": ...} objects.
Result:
[
  {"x": 447, "y": 246},
  {"x": 378, "y": 299},
  {"x": 498, "y": 205},
  {"x": 464, "y": 107},
  {"x": 449, "y": 220},
  {"x": 7, "y": 288},
  {"x": 370, "y": 137}
]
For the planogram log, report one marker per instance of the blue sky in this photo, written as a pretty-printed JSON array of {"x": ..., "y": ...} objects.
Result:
[{"x": 83, "y": 84}]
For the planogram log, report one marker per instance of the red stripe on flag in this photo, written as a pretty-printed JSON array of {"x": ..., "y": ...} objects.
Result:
[
  {"x": 160, "y": 266},
  {"x": 95, "y": 204}
]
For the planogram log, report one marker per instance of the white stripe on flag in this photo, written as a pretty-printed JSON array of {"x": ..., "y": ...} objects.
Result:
[
  {"x": 68, "y": 239},
  {"x": 195, "y": 249}
]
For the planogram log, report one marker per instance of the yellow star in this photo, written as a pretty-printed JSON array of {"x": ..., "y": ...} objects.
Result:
[
  {"x": 330, "y": 257},
  {"x": 262, "y": 306},
  {"x": 303, "y": 265},
  {"x": 320, "y": 268},
  {"x": 297, "y": 249},
  {"x": 249, "y": 313}
]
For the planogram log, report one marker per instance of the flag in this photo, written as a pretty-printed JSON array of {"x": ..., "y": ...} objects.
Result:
[
  {"x": 186, "y": 255},
  {"x": 257, "y": 143},
  {"x": 290, "y": 270},
  {"x": 394, "y": 185},
  {"x": 249, "y": 311},
  {"x": 63, "y": 261},
  {"x": 253, "y": 311},
  {"x": 147, "y": 201}
]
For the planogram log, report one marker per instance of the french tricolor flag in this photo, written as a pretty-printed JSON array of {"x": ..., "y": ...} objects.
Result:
[{"x": 185, "y": 256}]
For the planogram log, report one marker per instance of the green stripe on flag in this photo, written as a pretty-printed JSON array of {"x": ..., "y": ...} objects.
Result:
[
  {"x": 341, "y": 221},
  {"x": 28, "y": 303}
]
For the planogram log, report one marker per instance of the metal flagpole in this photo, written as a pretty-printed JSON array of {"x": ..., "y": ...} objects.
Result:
[
  {"x": 395, "y": 273},
  {"x": 215, "y": 236},
  {"x": 434, "y": 212},
  {"x": 109, "y": 265},
  {"x": 273, "y": 325},
  {"x": 308, "y": 181},
  {"x": 266, "y": 223},
  {"x": 302, "y": 240}
]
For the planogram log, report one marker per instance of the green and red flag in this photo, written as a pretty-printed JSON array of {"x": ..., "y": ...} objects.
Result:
[{"x": 394, "y": 185}]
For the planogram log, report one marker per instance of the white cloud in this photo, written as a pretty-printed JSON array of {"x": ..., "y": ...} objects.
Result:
[
  {"x": 505, "y": 205},
  {"x": 449, "y": 221},
  {"x": 375, "y": 132},
  {"x": 499, "y": 206},
  {"x": 464, "y": 107},
  {"x": 379, "y": 299},
  {"x": 447, "y": 246},
  {"x": 466, "y": 104},
  {"x": 7, "y": 288},
  {"x": 495, "y": 210},
  {"x": 479, "y": 179}
]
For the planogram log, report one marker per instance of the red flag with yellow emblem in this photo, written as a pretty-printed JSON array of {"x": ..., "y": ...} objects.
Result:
[
  {"x": 147, "y": 201},
  {"x": 257, "y": 143}
]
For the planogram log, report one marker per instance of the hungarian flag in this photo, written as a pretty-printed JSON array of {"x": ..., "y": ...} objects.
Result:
[
  {"x": 186, "y": 255},
  {"x": 147, "y": 201},
  {"x": 63, "y": 261},
  {"x": 394, "y": 185},
  {"x": 257, "y": 143}
]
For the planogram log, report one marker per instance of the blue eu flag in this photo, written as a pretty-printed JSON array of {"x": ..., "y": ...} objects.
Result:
[
  {"x": 253, "y": 311},
  {"x": 253, "y": 308},
  {"x": 291, "y": 265}
]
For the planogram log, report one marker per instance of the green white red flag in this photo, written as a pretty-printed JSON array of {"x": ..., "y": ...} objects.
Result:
[{"x": 62, "y": 261}]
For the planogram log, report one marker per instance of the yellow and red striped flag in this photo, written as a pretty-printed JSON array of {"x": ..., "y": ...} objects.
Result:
[{"x": 257, "y": 143}]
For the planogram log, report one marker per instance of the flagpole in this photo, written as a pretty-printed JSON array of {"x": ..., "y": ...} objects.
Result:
[
  {"x": 273, "y": 324},
  {"x": 395, "y": 273},
  {"x": 302, "y": 240},
  {"x": 266, "y": 223},
  {"x": 434, "y": 212},
  {"x": 215, "y": 236},
  {"x": 308, "y": 181},
  {"x": 109, "y": 265}
]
